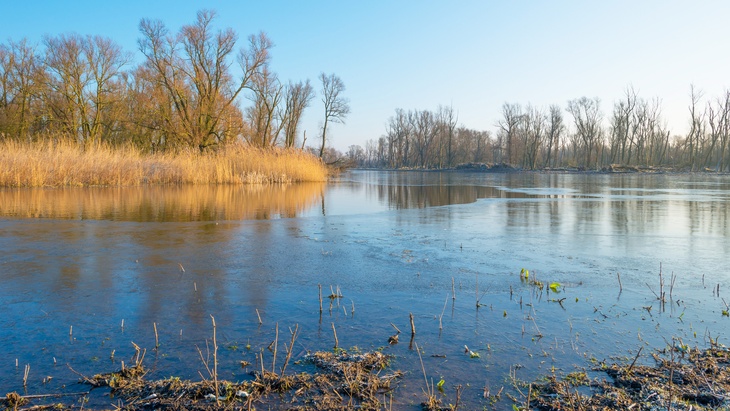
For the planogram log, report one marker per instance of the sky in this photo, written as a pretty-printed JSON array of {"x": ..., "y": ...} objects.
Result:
[{"x": 473, "y": 55}]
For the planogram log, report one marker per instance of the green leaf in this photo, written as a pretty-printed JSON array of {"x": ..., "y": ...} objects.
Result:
[
  {"x": 441, "y": 383},
  {"x": 555, "y": 287}
]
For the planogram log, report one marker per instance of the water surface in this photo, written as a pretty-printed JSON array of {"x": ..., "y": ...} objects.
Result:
[{"x": 77, "y": 262}]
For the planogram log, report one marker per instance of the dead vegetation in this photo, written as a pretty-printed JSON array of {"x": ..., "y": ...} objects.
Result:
[
  {"x": 681, "y": 379},
  {"x": 341, "y": 380}
]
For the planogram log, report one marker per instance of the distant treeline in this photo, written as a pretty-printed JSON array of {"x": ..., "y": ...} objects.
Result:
[
  {"x": 577, "y": 135},
  {"x": 187, "y": 93}
]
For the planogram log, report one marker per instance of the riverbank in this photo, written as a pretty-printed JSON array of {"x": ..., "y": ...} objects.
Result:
[
  {"x": 682, "y": 378},
  {"x": 66, "y": 164}
]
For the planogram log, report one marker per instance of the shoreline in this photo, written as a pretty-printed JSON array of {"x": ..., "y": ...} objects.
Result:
[{"x": 682, "y": 378}]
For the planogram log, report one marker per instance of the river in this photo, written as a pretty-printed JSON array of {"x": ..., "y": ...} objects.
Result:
[{"x": 86, "y": 272}]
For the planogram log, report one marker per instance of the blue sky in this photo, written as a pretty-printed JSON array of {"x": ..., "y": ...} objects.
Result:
[{"x": 473, "y": 55}]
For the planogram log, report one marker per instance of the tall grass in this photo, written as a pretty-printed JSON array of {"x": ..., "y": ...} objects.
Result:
[{"x": 51, "y": 164}]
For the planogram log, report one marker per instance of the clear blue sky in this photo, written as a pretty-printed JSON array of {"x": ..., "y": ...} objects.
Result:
[{"x": 471, "y": 54}]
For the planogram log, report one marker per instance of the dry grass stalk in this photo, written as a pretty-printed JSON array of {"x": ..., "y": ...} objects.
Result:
[
  {"x": 157, "y": 340},
  {"x": 25, "y": 374},
  {"x": 334, "y": 331},
  {"x": 215, "y": 360},
  {"x": 320, "y": 298},
  {"x": 276, "y": 347}
]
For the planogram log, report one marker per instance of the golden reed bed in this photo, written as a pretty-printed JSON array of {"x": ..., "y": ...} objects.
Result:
[{"x": 66, "y": 164}]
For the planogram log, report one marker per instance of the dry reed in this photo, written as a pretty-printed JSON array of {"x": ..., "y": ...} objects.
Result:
[{"x": 55, "y": 164}]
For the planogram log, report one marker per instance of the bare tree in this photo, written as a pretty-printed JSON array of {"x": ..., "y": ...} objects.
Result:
[
  {"x": 447, "y": 119},
  {"x": 21, "y": 77},
  {"x": 533, "y": 130},
  {"x": 587, "y": 120},
  {"x": 555, "y": 130},
  {"x": 336, "y": 107},
  {"x": 193, "y": 69},
  {"x": 509, "y": 124},
  {"x": 697, "y": 129},
  {"x": 297, "y": 97},
  {"x": 266, "y": 116}
]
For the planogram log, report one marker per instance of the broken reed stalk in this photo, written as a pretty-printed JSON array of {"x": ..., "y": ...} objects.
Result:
[
  {"x": 413, "y": 326},
  {"x": 353, "y": 308},
  {"x": 620, "y": 286},
  {"x": 157, "y": 340},
  {"x": 276, "y": 346},
  {"x": 477, "y": 292},
  {"x": 442, "y": 313},
  {"x": 393, "y": 325},
  {"x": 259, "y": 316},
  {"x": 453, "y": 289},
  {"x": 423, "y": 368},
  {"x": 320, "y": 298},
  {"x": 289, "y": 349},
  {"x": 634, "y": 362},
  {"x": 215, "y": 361},
  {"x": 261, "y": 360},
  {"x": 661, "y": 284},
  {"x": 334, "y": 331},
  {"x": 671, "y": 285},
  {"x": 25, "y": 374}
]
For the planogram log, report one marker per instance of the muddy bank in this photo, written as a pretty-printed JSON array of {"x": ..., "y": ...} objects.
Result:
[{"x": 681, "y": 378}]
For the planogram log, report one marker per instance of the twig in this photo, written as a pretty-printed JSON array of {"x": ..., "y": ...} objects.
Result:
[
  {"x": 67, "y": 394},
  {"x": 620, "y": 286},
  {"x": 290, "y": 349},
  {"x": 413, "y": 326},
  {"x": 442, "y": 313},
  {"x": 634, "y": 362},
  {"x": 157, "y": 341},
  {"x": 423, "y": 368},
  {"x": 259, "y": 315},
  {"x": 215, "y": 361},
  {"x": 477, "y": 291},
  {"x": 276, "y": 345},
  {"x": 334, "y": 331}
]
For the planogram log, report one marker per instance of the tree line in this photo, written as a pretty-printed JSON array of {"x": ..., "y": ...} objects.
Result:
[
  {"x": 195, "y": 89},
  {"x": 577, "y": 135}
]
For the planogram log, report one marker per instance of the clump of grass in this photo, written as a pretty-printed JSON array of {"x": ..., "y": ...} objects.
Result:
[{"x": 59, "y": 163}]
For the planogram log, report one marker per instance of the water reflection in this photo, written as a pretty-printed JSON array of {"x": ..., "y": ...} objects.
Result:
[{"x": 163, "y": 203}]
